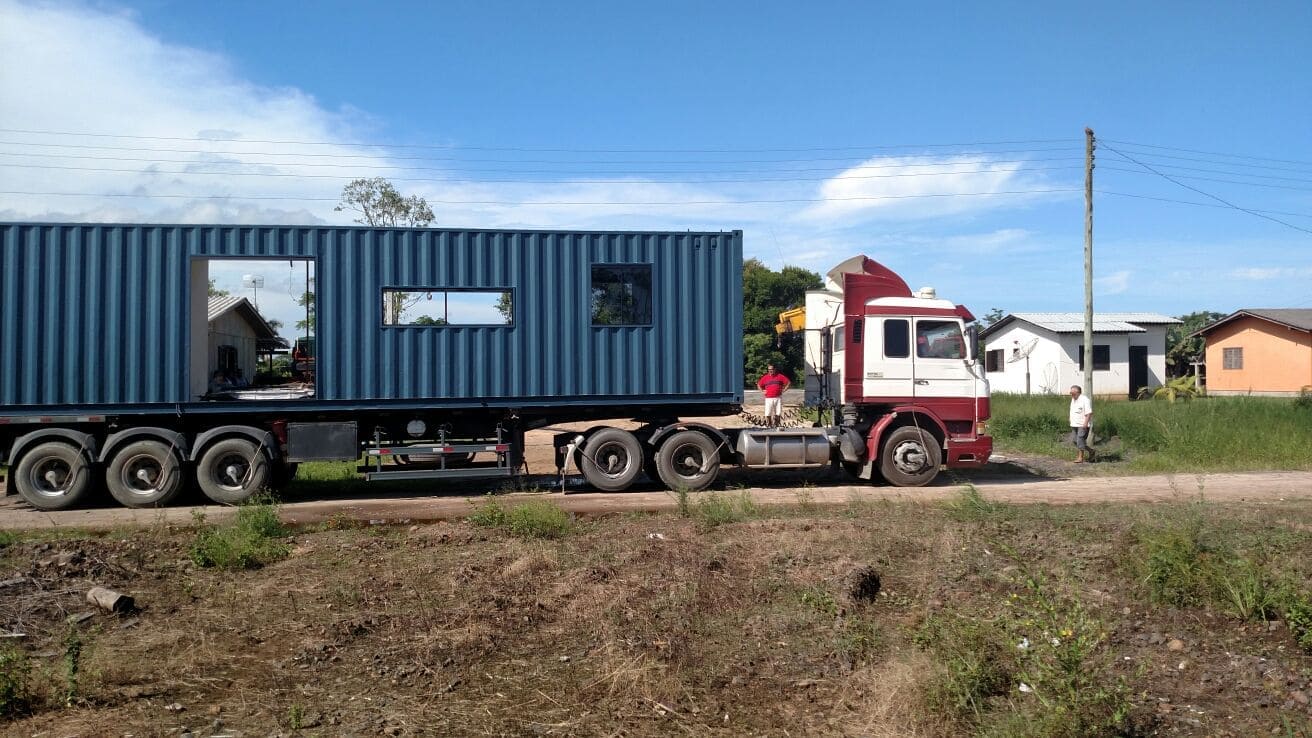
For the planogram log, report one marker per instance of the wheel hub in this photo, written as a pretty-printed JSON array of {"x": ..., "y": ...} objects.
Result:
[{"x": 910, "y": 457}]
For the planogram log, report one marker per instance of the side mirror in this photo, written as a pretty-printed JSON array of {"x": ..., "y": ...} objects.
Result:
[{"x": 972, "y": 335}]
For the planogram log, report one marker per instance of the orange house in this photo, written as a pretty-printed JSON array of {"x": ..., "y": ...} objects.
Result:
[{"x": 1259, "y": 352}]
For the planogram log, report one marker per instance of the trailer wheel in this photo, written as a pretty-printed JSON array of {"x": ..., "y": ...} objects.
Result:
[
  {"x": 232, "y": 470},
  {"x": 910, "y": 458},
  {"x": 688, "y": 460},
  {"x": 144, "y": 474},
  {"x": 52, "y": 476},
  {"x": 612, "y": 459}
]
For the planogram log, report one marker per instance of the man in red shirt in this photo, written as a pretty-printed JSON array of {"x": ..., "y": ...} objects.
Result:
[{"x": 773, "y": 384}]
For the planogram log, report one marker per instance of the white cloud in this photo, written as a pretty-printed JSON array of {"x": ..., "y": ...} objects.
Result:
[
  {"x": 1266, "y": 273},
  {"x": 925, "y": 186},
  {"x": 1114, "y": 283}
]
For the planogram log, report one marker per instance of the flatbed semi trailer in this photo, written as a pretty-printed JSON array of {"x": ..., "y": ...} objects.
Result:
[{"x": 104, "y": 363}]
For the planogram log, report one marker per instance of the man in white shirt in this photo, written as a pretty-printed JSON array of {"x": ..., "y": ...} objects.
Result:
[{"x": 1081, "y": 423}]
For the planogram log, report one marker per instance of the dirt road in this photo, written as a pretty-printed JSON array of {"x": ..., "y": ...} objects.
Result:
[{"x": 1258, "y": 487}]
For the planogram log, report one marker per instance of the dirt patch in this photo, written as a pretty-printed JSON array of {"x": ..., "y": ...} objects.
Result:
[{"x": 633, "y": 624}]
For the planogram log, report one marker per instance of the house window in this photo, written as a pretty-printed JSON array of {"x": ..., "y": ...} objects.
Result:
[
  {"x": 621, "y": 294},
  {"x": 446, "y": 307},
  {"x": 897, "y": 339},
  {"x": 1102, "y": 357},
  {"x": 1232, "y": 358},
  {"x": 939, "y": 339},
  {"x": 994, "y": 360}
]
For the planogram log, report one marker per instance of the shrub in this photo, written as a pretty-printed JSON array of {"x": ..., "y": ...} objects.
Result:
[
  {"x": 719, "y": 509},
  {"x": 535, "y": 519},
  {"x": 252, "y": 540},
  {"x": 538, "y": 519},
  {"x": 970, "y": 505},
  {"x": 15, "y": 697}
]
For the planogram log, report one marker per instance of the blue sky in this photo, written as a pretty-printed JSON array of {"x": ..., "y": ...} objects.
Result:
[{"x": 821, "y": 130}]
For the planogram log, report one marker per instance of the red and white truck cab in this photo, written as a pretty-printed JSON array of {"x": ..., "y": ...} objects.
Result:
[{"x": 903, "y": 368}]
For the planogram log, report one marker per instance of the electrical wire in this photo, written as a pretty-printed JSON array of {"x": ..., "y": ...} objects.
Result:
[
  {"x": 456, "y": 147},
  {"x": 1196, "y": 204},
  {"x": 616, "y": 180},
  {"x": 1198, "y": 151},
  {"x": 299, "y": 198},
  {"x": 1207, "y": 194}
]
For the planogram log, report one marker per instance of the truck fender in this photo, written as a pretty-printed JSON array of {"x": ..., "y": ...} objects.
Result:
[
  {"x": 666, "y": 430},
  {"x": 84, "y": 441},
  {"x": 876, "y": 436},
  {"x": 262, "y": 437},
  {"x": 117, "y": 440}
]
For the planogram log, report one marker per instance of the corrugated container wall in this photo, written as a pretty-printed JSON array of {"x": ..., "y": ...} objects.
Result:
[{"x": 99, "y": 314}]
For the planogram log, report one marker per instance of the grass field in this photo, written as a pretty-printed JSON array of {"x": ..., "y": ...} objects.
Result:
[
  {"x": 723, "y": 618},
  {"x": 1209, "y": 434}
]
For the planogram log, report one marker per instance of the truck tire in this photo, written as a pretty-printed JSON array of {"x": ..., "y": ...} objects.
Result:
[
  {"x": 910, "y": 457},
  {"x": 144, "y": 473},
  {"x": 612, "y": 459},
  {"x": 688, "y": 460},
  {"x": 232, "y": 470},
  {"x": 52, "y": 476}
]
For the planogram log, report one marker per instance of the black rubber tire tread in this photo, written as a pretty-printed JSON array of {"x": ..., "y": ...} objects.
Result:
[
  {"x": 76, "y": 492},
  {"x": 899, "y": 478},
  {"x": 208, "y": 470},
  {"x": 170, "y": 480},
  {"x": 625, "y": 477},
  {"x": 673, "y": 476}
]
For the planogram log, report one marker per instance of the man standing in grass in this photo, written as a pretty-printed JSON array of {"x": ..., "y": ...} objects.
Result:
[{"x": 1081, "y": 424}]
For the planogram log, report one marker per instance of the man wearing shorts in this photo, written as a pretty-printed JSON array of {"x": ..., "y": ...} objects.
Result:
[
  {"x": 1081, "y": 424},
  {"x": 773, "y": 384}
]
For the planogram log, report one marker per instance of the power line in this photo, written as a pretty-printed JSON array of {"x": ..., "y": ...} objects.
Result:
[
  {"x": 1197, "y": 204},
  {"x": 319, "y": 155},
  {"x": 1207, "y": 194},
  {"x": 1209, "y": 153},
  {"x": 456, "y": 147},
  {"x": 299, "y": 198},
  {"x": 357, "y": 167},
  {"x": 1213, "y": 179},
  {"x": 616, "y": 180}
]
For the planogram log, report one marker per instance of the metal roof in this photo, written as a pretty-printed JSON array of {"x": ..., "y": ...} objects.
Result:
[
  {"x": 1074, "y": 322},
  {"x": 1296, "y": 318},
  {"x": 219, "y": 306}
]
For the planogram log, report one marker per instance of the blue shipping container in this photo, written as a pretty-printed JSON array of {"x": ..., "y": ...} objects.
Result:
[{"x": 103, "y": 317}]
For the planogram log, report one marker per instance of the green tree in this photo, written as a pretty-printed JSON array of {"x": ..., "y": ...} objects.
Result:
[
  {"x": 215, "y": 291},
  {"x": 378, "y": 203},
  {"x": 766, "y": 293},
  {"x": 306, "y": 300},
  {"x": 993, "y": 316},
  {"x": 1181, "y": 349}
]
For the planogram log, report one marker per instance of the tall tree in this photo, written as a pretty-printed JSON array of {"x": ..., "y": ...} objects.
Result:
[
  {"x": 766, "y": 293},
  {"x": 1181, "y": 350},
  {"x": 215, "y": 291},
  {"x": 378, "y": 203}
]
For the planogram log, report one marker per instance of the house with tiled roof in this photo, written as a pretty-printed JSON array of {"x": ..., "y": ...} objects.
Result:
[
  {"x": 1259, "y": 351},
  {"x": 1043, "y": 353}
]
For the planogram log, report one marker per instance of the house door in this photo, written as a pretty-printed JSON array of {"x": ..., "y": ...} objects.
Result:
[{"x": 1138, "y": 369}]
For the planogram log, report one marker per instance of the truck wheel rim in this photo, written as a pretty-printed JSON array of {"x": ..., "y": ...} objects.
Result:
[
  {"x": 910, "y": 457},
  {"x": 612, "y": 459},
  {"x": 50, "y": 477},
  {"x": 230, "y": 470},
  {"x": 142, "y": 474},
  {"x": 688, "y": 460}
]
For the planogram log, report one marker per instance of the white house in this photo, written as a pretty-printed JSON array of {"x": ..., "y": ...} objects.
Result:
[
  {"x": 237, "y": 335},
  {"x": 1042, "y": 353}
]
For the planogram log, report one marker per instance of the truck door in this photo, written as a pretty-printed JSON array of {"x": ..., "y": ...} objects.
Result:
[
  {"x": 941, "y": 369},
  {"x": 888, "y": 364}
]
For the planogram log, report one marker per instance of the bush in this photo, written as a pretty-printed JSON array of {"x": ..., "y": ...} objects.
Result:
[
  {"x": 252, "y": 540},
  {"x": 718, "y": 509},
  {"x": 15, "y": 697},
  {"x": 535, "y": 519}
]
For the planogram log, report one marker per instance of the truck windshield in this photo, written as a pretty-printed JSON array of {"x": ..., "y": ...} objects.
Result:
[{"x": 939, "y": 339}]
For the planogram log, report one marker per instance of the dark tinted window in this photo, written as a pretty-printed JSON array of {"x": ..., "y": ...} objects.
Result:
[
  {"x": 1102, "y": 357},
  {"x": 897, "y": 339},
  {"x": 621, "y": 294},
  {"x": 993, "y": 360}
]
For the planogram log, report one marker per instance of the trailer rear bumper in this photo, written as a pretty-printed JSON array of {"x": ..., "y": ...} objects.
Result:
[{"x": 970, "y": 453}]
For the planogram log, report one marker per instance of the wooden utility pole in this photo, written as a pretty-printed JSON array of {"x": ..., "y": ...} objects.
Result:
[{"x": 1088, "y": 261}]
